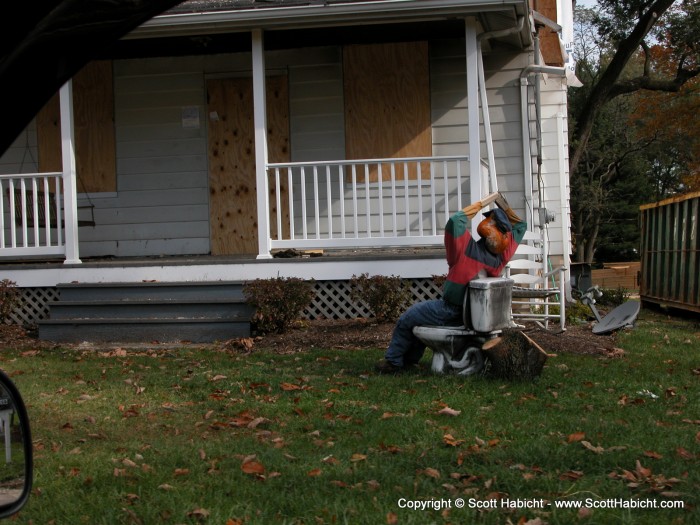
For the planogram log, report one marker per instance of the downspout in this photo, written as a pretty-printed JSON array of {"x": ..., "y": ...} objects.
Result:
[
  {"x": 535, "y": 69},
  {"x": 486, "y": 118}
]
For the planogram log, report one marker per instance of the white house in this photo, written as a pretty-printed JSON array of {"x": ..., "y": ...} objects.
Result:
[{"x": 162, "y": 161}]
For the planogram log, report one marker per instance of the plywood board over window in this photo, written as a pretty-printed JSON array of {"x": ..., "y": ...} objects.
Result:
[
  {"x": 387, "y": 102},
  {"x": 93, "y": 118}
]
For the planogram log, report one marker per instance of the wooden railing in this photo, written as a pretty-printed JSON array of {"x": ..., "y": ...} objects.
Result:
[
  {"x": 365, "y": 203},
  {"x": 31, "y": 221}
]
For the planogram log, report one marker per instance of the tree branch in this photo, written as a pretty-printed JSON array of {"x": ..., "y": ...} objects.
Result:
[{"x": 601, "y": 92}]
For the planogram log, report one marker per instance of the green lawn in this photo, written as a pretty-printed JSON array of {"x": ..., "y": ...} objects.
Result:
[{"x": 213, "y": 436}]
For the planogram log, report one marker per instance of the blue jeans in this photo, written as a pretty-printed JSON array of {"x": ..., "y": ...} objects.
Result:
[{"x": 406, "y": 349}]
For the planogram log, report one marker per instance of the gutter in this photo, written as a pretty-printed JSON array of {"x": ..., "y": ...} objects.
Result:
[{"x": 377, "y": 11}]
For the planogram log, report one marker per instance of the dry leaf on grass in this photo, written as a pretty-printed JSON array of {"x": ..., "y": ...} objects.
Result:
[
  {"x": 447, "y": 411},
  {"x": 252, "y": 466}
]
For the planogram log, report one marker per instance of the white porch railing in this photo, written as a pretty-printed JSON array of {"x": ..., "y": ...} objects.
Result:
[
  {"x": 365, "y": 203},
  {"x": 31, "y": 214}
]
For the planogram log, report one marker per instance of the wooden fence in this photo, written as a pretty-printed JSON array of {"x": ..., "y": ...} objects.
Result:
[{"x": 618, "y": 275}]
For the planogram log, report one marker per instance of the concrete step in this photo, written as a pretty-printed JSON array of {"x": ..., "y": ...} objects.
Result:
[
  {"x": 151, "y": 309},
  {"x": 147, "y": 311},
  {"x": 150, "y": 290},
  {"x": 142, "y": 331}
]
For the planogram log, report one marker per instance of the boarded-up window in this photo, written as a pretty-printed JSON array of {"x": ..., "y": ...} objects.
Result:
[
  {"x": 550, "y": 45},
  {"x": 93, "y": 118},
  {"x": 387, "y": 102}
]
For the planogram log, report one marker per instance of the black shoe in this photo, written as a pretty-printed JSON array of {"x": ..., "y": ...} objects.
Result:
[{"x": 386, "y": 367}]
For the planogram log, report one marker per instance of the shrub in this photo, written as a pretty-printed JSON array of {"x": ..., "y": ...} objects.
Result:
[
  {"x": 613, "y": 296},
  {"x": 439, "y": 280},
  {"x": 278, "y": 302},
  {"x": 10, "y": 297},
  {"x": 576, "y": 312},
  {"x": 386, "y": 297}
]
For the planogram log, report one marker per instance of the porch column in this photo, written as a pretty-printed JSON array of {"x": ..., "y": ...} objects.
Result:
[
  {"x": 475, "y": 184},
  {"x": 70, "y": 192},
  {"x": 260, "y": 121}
]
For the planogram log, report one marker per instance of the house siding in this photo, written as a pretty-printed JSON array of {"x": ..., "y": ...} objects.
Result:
[{"x": 161, "y": 206}]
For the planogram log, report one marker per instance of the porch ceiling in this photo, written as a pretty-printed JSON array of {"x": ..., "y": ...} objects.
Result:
[
  {"x": 284, "y": 39},
  {"x": 197, "y": 18}
]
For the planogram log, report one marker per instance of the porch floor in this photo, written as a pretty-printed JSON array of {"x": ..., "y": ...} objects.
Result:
[
  {"x": 279, "y": 257},
  {"x": 340, "y": 265}
]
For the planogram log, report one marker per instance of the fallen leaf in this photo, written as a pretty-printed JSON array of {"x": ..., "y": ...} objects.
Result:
[
  {"x": 198, "y": 513},
  {"x": 576, "y": 436},
  {"x": 289, "y": 386},
  {"x": 358, "y": 457},
  {"x": 252, "y": 466},
  {"x": 181, "y": 472},
  {"x": 684, "y": 454},
  {"x": 653, "y": 455},
  {"x": 447, "y": 411},
  {"x": 314, "y": 472},
  {"x": 597, "y": 450},
  {"x": 218, "y": 377},
  {"x": 430, "y": 472},
  {"x": 165, "y": 486},
  {"x": 391, "y": 518},
  {"x": 571, "y": 475},
  {"x": 257, "y": 422},
  {"x": 451, "y": 441}
]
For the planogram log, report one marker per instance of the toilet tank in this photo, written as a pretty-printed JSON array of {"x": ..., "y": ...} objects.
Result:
[{"x": 490, "y": 303}]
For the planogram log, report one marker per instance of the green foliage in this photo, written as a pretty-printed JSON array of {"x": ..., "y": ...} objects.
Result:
[
  {"x": 278, "y": 302},
  {"x": 631, "y": 142},
  {"x": 10, "y": 298},
  {"x": 613, "y": 296},
  {"x": 386, "y": 297},
  {"x": 439, "y": 280}
]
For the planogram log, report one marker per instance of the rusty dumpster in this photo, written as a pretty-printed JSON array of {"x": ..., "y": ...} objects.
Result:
[{"x": 670, "y": 254}]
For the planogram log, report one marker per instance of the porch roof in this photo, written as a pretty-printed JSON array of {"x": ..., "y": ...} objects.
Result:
[{"x": 199, "y": 17}]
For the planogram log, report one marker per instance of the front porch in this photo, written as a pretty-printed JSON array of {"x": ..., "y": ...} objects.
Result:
[
  {"x": 40, "y": 282},
  {"x": 354, "y": 136}
]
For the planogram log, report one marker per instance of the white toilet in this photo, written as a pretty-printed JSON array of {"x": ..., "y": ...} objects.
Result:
[{"x": 486, "y": 312}]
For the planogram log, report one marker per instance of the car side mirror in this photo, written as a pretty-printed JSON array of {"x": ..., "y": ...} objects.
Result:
[{"x": 17, "y": 466}]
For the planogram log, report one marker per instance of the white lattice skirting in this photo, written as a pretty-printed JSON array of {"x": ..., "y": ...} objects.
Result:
[
  {"x": 333, "y": 301},
  {"x": 33, "y": 306}
]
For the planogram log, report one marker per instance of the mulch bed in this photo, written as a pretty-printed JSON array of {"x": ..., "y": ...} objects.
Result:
[
  {"x": 367, "y": 333},
  {"x": 353, "y": 334}
]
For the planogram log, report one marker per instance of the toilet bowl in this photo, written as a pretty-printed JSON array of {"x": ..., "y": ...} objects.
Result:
[
  {"x": 453, "y": 347},
  {"x": 485, "y": 313}
]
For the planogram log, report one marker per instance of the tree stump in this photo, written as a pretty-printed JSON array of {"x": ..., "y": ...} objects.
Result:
[{"x": 513, "y": 357}]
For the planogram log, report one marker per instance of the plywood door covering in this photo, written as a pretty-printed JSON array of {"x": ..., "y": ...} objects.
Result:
[{"x": 232, "y": 181}]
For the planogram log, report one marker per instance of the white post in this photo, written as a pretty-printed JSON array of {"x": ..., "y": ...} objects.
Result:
[
  {"x": 493, "y": 179},
  {"x": 70, "y": 192},
  {"x": 475, "y": 184},
  {"x": 260, "y": 120},
  {"x": 562, "y": 144}
]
